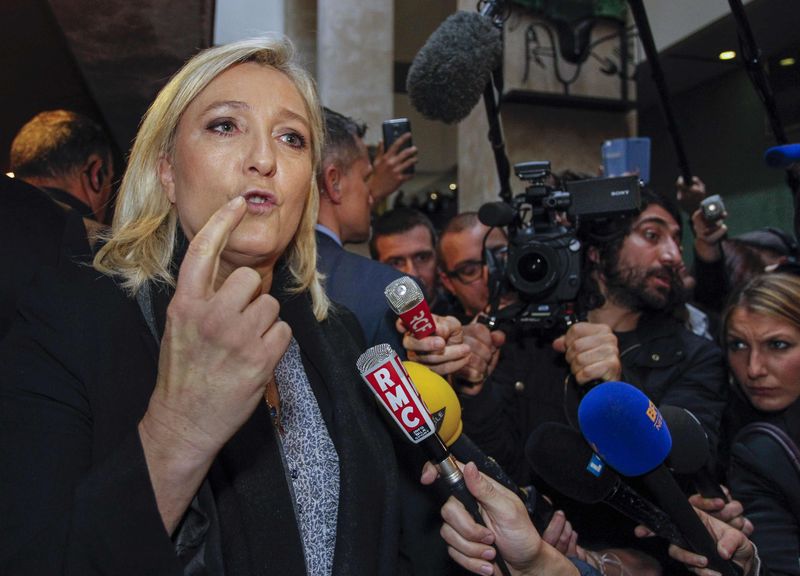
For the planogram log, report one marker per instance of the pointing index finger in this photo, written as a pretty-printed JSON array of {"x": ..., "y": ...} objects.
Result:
[{"x": 199, "y": 268}]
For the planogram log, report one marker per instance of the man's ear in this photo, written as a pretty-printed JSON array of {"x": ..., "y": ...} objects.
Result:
[
  {"x": 593, "y": 254},
  {"x": 166, "y": 175},
  {"x": 96, "y": 172},
  {"x": 332, "y": 176}
]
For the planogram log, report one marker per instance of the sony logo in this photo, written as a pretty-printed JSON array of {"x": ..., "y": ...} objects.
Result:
[{"x": 620, "y": 192}]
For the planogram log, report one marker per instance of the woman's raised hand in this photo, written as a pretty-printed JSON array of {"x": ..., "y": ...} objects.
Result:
[{"x": 218, "y": 353}]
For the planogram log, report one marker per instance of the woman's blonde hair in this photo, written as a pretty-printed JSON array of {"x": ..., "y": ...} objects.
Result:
[
  {"x": 142, "y": 239},
  {"x": 773, "y": 294}
]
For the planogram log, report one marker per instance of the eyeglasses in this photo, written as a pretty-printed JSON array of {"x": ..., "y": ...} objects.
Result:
[
  {"x": 471, "y": 270},
  {"x": 466, "y": 272}
]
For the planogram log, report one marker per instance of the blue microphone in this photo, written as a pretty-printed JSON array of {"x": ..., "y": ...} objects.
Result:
[
  {"x": 782, "y": 156},
  {"x": 626, "y": 429}
]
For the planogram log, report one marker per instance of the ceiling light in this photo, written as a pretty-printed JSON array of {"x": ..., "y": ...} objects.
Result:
[
  {"x": 453, "y": 186},
  {"x": 10, "y": 174},
  {"x": 727, "y": 55},
  {"x": 786, "y": 61}
]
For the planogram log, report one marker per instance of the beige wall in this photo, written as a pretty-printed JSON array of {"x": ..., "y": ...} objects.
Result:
[
  {"x": 355, "y": 45},
  {"x": 569, "y": 137}
]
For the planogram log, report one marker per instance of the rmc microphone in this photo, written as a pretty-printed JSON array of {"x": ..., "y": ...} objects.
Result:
[
  {"x": 406, "y": 299},
  {"x": 381, "y": 368},
  {"x": 626, "y": 429}
]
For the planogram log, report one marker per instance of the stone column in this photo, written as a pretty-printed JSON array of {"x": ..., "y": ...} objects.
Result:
[{"x": 355, "y": 61}]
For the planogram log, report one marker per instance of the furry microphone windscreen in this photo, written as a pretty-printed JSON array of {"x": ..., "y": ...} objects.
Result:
[{"x": 449, "y": 73}]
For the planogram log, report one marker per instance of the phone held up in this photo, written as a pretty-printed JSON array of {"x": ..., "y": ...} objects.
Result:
[
  {"x": 713, "y": 208},
  {"x": 627, "y": 156},
  {"x": 394, "y": 129}
]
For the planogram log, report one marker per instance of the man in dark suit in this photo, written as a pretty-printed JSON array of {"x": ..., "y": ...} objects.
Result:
[
  {"x": 344, "y": 216},
  {"x": 68, "y": 155},
  {"x": 34, "y": 231}
]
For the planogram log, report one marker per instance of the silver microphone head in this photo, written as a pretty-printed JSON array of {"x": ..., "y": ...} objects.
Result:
[
  {"x": 374, "y": 357},
  {"x": 403, "y": 294}
]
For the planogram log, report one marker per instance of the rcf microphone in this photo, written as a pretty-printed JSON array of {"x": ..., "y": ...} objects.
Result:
[
  {"x": 690, "y": 451},
  {"x": 449, "y": 73},
  {"x": 560, "y": 455},
  {"x": 626, "y": 429},
  {"x": 384, "y": 373},
  {"x": 406, "y": 299},
  {"x": 445, "y": 409}
]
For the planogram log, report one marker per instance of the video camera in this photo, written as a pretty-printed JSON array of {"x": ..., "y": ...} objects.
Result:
[{"x": 543, "y": 265}]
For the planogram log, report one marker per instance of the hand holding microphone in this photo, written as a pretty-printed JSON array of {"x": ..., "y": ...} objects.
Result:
[
  {"x": 626, "y": 429},
  {"x": 384, "y": 373}
]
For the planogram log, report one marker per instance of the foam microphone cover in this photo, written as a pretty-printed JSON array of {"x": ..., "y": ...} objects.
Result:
[
  {"x": 495, "y": 214},
  {"x": 624, "y": 427},
  {"x": 782, "y": 156},
  {"x": 449, "y": 73},
  {"x": 440, "y": 398},
  {"x": 561, "y": 457},
  {"x": 690, "y": 451}
]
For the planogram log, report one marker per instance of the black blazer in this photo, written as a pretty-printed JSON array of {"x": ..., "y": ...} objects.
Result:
[
  {"x": 34, "y": 231},
  {"x": 78, "y": 369}
]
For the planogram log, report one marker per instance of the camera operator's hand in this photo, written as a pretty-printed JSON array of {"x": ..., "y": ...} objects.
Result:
[
  {"x": 689, "y": 197},
  {"x": 591, "y": 351},
  {"x": 484, "y": 347},
  {"x": 707, "y": 236}
]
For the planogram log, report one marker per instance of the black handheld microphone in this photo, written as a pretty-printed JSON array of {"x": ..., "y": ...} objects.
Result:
[
  {"x": 690, "y": 451},
  {"x": 561, "y": 456},
  {"x": 626, "y": 429},
  {"x": 445, "y": 409},
  {"x": 449, "y": 73},
  {"x": 381, "y": 368}
]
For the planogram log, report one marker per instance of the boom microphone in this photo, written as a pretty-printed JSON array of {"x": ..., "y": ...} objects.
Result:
[
  {"x": 406, "y": 299},
  {"x": 560, "y": 455},
  {"x": 445, "y": 409},
  {"x": 384, "y": 373},
  {"x": 449, "y": 73},
  {"x": 626, "y": 429}
]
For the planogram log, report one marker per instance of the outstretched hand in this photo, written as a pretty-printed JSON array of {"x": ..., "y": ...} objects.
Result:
[{"x": 388, "y": 168}]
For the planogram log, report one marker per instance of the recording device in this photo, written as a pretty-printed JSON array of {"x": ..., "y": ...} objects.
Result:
[
  {"x": 691, "y": 451},
  {"x": 628, "y": 432},
  {"x": 713, "y": 208},
  {"x": 394, "y": 129},
  {"x": 544, "y": 254},
  {"x": 560, "y": 455},
  {"x": 406, "y": 299},
  {"x": 380, "y": 367},
  {"x": 627, "y": 156},
  {"x": 445, "y": 409},
  {"x": 450, "y": 72}
]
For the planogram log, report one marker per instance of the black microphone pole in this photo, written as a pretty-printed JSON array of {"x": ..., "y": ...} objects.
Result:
[
  {"x": 646, "y": 36},
  {"x": 493, "y": 9},
  {"x": 751, "y": 55}
]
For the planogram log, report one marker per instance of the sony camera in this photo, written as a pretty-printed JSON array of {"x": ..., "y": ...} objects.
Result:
[{"x": 544, "y": 260}]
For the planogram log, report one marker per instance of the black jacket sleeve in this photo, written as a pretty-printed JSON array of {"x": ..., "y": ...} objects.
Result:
[{"x": 75, "y": 494}]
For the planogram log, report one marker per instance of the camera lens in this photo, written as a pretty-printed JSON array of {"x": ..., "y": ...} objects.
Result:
[{"x": 533, "y": 267}]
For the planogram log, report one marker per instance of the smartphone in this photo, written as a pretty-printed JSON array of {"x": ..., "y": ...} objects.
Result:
[
  {"x": 392, "y": 130},
  {"x": 626, "y": 156}
]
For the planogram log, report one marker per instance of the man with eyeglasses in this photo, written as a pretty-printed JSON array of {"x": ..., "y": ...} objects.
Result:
[{"x": 463, "y": 271}]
